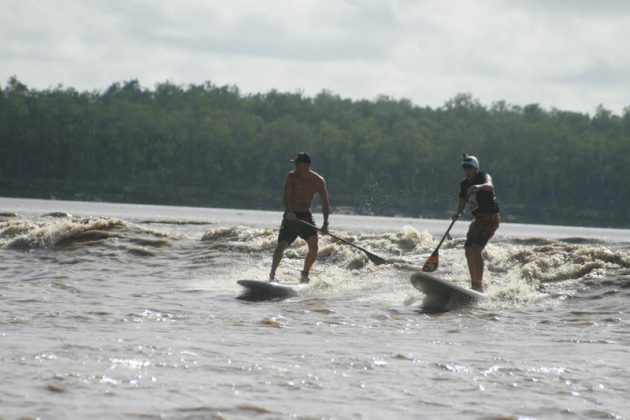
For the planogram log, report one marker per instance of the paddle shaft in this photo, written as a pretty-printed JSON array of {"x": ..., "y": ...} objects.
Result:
[
  {"x": 334, "y": 236},
  {"x": 448, "y": 230},
  {"x": 444, "y": 237},
  {"x": 373, "y": 257}
]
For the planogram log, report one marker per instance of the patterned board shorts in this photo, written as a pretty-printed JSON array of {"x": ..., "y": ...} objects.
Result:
[{"x": 482, "y": 229}]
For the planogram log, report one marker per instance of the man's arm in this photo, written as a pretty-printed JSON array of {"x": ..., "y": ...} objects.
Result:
[
  {"x": 461, "y": 205},
  {"x": 486, "y": 186},
  {"x": 481, "y": 187},
  {"x": 323, "y": 195}
]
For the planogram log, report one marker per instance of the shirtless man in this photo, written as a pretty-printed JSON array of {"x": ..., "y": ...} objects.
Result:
[{"x": 300, "y": 187}]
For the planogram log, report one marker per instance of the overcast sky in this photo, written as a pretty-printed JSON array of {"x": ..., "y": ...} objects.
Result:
[{"x": 567, "y": 54}]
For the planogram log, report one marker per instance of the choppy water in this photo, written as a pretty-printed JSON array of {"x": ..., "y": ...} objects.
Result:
[{"x": 120, "y": 311}]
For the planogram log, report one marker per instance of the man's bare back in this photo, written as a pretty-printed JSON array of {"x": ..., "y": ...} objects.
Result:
[{"x": 300, "y": 189}]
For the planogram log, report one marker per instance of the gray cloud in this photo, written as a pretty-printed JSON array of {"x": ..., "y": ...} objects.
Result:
[
  {"x": 349, "y": 30},
  {"x": 598, "y": 73},
  {"x": 588, "y": 8},
  {"x": 567, "y": 54}
]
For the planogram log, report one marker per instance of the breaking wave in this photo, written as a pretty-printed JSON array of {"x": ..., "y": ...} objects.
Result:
[
  {"x": 62, "y": 231},
  {"x": 519, "y": 270}
]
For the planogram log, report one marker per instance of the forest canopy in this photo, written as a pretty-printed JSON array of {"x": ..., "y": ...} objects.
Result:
[{"x": 208, "y": 145}]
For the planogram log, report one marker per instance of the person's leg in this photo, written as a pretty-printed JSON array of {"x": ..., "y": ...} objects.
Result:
[
  {"x": 476, "y": 266},
  {"x": 485, "y": 228},
  {"x": 472, "y": 265},
  {"x": 277, "y": 257},
  {"x": 468, "y": 247},
  {"x": 311, "y": 256}
]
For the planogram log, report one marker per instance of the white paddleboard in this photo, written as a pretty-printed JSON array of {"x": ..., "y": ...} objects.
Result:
[
  {"x": 256, "y": 290},
  {"x": 443, "y": 295}
]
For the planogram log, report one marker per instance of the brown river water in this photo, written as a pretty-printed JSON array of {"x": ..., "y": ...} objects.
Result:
[{"x": 130, "y": 311}]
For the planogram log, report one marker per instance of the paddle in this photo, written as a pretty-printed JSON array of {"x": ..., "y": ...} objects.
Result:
[
  {"x": 372, "y": 257},
  {"x": 434, "y": 260}
]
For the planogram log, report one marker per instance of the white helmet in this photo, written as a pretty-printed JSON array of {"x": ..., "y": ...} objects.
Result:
[{"x": 470, "y": 161}]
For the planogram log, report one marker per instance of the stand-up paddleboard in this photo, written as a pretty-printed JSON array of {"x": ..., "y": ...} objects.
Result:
[
  {"x": 256, "y": 290},
  {"x": 442, "y": 295}
]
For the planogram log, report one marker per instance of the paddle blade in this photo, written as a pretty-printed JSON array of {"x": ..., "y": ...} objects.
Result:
[
  {"x": 376, "y": 259},
  {"x": 432, "y": 263}
]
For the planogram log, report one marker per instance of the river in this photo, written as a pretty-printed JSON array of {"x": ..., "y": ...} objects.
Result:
[{"x": 130, "y": 311}]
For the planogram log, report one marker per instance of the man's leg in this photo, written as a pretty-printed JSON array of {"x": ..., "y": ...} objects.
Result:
[
  {"x": 311, "y": 256},
  {"x": 277, "y": 257},
  {"x": 471, "y": 263},
  {"x": 475, "y": 266}
]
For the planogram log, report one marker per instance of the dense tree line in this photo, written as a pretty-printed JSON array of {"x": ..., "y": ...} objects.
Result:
[{"x": 211, "y": 145}]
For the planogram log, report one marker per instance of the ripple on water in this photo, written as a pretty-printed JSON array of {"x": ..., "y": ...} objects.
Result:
[{"x": 160, "y": 333}]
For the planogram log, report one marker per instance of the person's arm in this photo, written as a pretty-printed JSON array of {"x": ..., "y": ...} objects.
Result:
[
  {"x": 486, "y": 186},
  {"x": 461, "y": 205},
  {"x": 323, "y": 195},
  {"x": 286, "y": 199},
  {"x": 481, "y": 187}
]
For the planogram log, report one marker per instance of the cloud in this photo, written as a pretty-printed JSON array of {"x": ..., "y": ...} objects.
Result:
[
  {"x": 302, "y": 31},
  {"x": 569, "y": 8},
  {"x": 567, "y": 54}
]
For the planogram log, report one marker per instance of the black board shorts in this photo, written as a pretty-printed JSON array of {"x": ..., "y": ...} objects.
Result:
[{"x": 290, "y": 230}]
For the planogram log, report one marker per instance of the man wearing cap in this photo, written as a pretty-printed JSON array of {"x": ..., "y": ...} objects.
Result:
[
  {"x": 476, "y": 192},
  {"x": 300, "y": 187}
]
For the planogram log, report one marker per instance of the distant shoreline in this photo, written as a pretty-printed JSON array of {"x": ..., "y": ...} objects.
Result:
[{"x": 335, "y": 211}]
